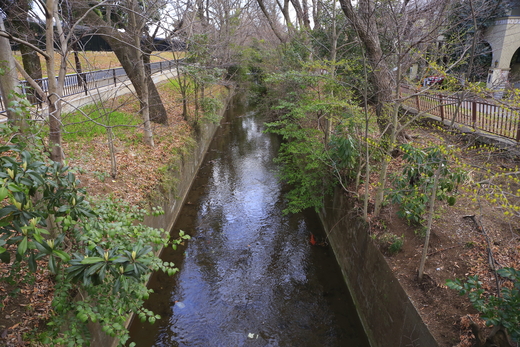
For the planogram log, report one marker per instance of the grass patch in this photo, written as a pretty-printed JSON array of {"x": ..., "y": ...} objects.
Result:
[
  {"x": 173, "y": 85},
  {"x": 92, "y": 121}
]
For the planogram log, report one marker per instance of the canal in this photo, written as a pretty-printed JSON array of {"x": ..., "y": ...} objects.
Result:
[{"x": 249, "y": 276}]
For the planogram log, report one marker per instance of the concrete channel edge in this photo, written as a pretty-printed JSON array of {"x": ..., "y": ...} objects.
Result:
[{"x": 389, "y": 317}]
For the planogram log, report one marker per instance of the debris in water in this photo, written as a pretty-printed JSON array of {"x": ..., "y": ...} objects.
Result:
[
  {"x": 312, "y": 240},
  {"x": 179, "y": 304},
  {"x": 252, "y": 336},
  {"x": 317, "y": 242}
]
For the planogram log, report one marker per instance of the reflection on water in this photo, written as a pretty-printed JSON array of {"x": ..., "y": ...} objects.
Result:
[{"x": 249, "y": 276}]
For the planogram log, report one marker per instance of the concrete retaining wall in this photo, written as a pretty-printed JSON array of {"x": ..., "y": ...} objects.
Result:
[{"x": 387, "y": 314}]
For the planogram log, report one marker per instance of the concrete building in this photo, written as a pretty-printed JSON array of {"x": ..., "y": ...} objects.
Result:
[{"x": 504, "y": 39}]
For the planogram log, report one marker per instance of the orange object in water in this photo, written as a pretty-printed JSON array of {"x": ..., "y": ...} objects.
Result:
[{"x": 312, "y": 240}]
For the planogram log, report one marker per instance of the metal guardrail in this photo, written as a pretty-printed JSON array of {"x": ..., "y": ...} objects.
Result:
[
  {"x": 476, "y": 113},
  {"x": 84, "y": 82}
]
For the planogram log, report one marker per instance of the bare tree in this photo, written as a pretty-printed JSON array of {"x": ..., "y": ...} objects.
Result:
[
  {"x": 270, "y": 20},
  {"x": 56, "y": 41},
  {"x": 407, "y": 25},
  {"x": 52, "y": 26},
  {"x": 55, "y": 85}
]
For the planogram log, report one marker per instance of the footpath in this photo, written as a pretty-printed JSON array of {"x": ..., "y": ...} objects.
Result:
[
  {"x": 486, "y": 137},
  {"x": 98, "y": 95}
]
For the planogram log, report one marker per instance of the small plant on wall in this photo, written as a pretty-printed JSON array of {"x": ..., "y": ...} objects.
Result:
[{"x": 390, "y": 243}]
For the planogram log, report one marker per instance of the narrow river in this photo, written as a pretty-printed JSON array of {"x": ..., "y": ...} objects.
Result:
[{"x": 248, "y": 276}]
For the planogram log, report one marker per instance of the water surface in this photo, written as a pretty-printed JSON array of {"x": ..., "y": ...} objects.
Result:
[{"x": 249, "y": 276}]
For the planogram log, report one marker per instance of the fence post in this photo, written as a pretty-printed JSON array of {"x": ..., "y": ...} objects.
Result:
[
  {"x": 114, "y": 75},
  {"x": 417, "y": 103},
  {"x": 442, "y": 107},
  {"x": 474, "y": 112},
  {"x": 84, "y": 81},
  {"x": 160, "y": 66}
]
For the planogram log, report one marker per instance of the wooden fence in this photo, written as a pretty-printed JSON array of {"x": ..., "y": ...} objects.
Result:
[{"x": 479, "y": 114}]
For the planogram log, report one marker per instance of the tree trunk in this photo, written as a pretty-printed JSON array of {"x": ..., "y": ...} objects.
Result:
[
  {"x": 364, "y": 21},
  {"x": 363, "y": 18},
  {"x": 196, "y": 100},
  {"x": 129, "y": 57},
  {"x": 302, "y": 13},
  {"x": 8, "y": 79},
  {"x": 286, "y": 16},
  {"x": 157, "y": 111},
  {"x": 367, "y": 145},
  {"x": 430, "y": 220},
  {"x": 55, "y": 84},
  {"x": 112, "y": 151},
  {"x": 80, "y": 76},
  {"x": 141, "y": 76},
  {"x": 18, "y": 13}
]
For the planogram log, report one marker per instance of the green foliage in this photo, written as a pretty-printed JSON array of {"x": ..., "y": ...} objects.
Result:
[
  {"x": 200, "y": 77},
  {"x": 237, "y": 73},
  {"x": 344, "y": 153},
  {"x": 413, "y": 186},
  {"x": 303, "y": 156},
  {"x": 199, "y": 49},
  {"x": 396, "y": 244},
  {"x": 501, "y": 310},
  {"x": 290, "y": 88},
  {"x": 203, "y": 76},
  {"x": 20, "y": 106},
  {"x": 104, "y": 253},
  {"x": 100, "y": 175},
  {"x": 302, "y": 104},
  {"x": 182, "y": 236},
  {"x": 41, "y": 204},
  {"x": 111, "y": 272},
  {"x": 173, "y": 84},
  {"x": 211, "y": 107},
  {"x": 294, "y": 53},
  {"x": 391, "y": 242},
  {"x": 302, "y": 153},
  {"x": 255, "y": 62}
]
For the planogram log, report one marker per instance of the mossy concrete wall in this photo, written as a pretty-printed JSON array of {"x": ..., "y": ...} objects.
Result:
[
  {"x": 387, "y": 314},
  {"x": 181, "y": 174}
]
